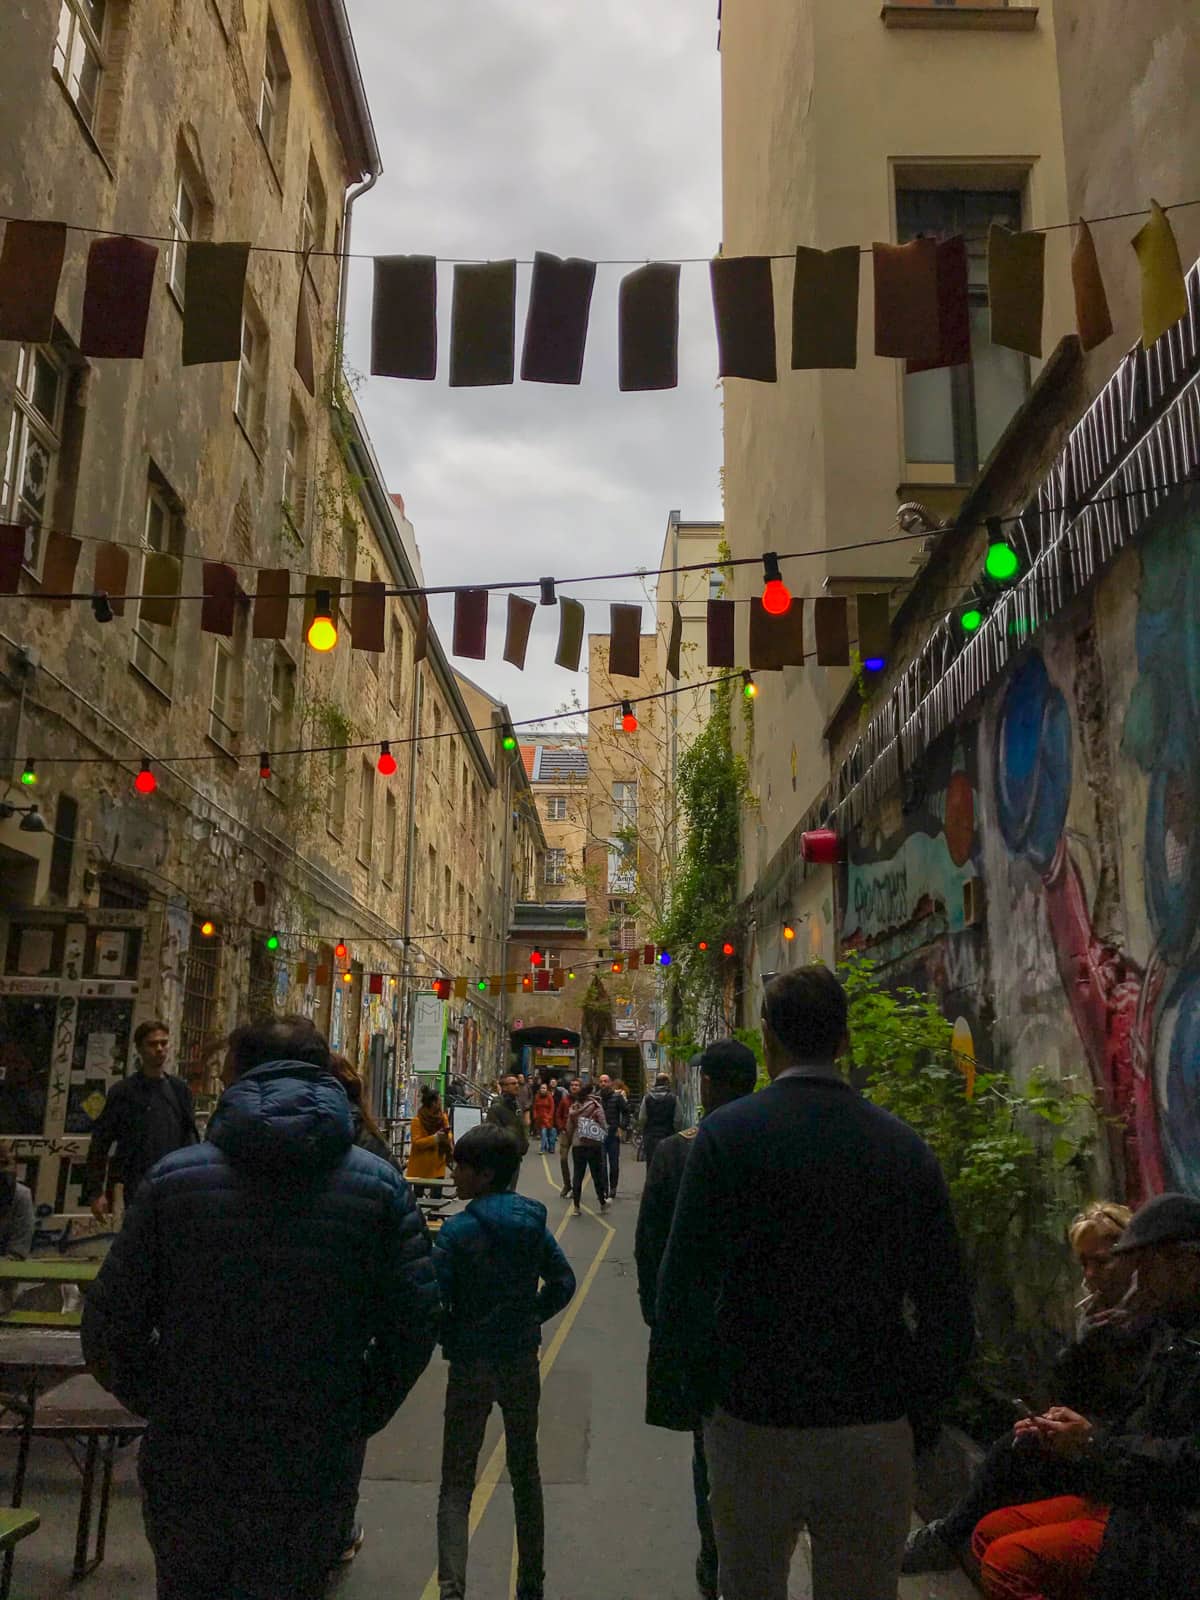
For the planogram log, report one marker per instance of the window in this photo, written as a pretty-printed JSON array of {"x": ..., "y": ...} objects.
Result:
[
  {"x": 184, "y": 215},
  {"x": 79, "y": 54},
  {"x": 283, "y": 700},
  {"x": 625, "y": 806},
  {"x": 954, "y": 415},
  {"x": 34, "y": 441},
  {"x": 336, "y": 814},
  {"x": 198, "y": 1016},
  {"x": 153, "y": 644},
  {"x": 447, "y": 907},
  {"x": 431, "y": 890},
  {"x": 273, "y": 96},
  {"x": 396, "y": 680},
  {"x": 556, "y": 809},
  {"x": 556, "y": 866},
  {"x": 391, "y": 824},
  {"x": 716, "y": 584},
  {"x": 313, "y": 211},
  {"x": 251, "y": 378},
  {"x": 294, "y": 488},
  {"x": 225, "y": 709},
  {"x": 366, "y": 810}
]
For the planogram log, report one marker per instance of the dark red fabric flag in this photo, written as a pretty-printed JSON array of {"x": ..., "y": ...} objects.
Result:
[
  {"x": 368, "y": 615},
  {"x": 470, "y": 623},
  {"x": 907, "y": 323},
  {"x": 953, "y": 305},
  {"x": 116, "y": 297},
  {"x": 720, "y": 633},
  {"x": 12, "y": 554},
  {"x": 30, "y": 269},
  {"x": 516, "y": 637},
  {"x": 404, "y": 318},
  {"x": 111, "y": 575},
  {"x": 58, "y": 567},
  {"x": 557, "y": 321},
  {"x": 219, "y": 606}
]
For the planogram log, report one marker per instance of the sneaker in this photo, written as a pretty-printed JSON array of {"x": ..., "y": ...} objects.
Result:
[
  {"x": 604, "y": 1204},
  {"x": 706, "y": 1579},
  {"x": 565, "y": 1192},
  {"x": 576, "y": 1212},
  {"x": 926, "y": 1551},
  {"x": 355, "y": 1545}
]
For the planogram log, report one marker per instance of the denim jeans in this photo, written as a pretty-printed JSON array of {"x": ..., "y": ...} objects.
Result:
[
  {"x": 549, "y": 1140},
  {"x": 514, "y": 1384},
  {"x": 612, "y": 1153}
]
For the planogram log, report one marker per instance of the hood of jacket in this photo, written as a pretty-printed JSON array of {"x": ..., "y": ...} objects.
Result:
[
  {"x": 284, "y": 1116},
  {"x": 513, "y": 1218}
]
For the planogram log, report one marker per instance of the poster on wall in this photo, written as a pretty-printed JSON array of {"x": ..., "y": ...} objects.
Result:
[
  {"x": 98, "y": 1058},
  {"x": 428, "y": 1033}
]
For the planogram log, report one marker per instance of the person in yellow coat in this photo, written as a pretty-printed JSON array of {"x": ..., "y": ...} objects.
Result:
[{"x": 430, "y": 1138}]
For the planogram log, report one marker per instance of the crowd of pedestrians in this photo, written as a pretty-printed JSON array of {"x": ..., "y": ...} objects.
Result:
[{"x": 798, "y": 1269}]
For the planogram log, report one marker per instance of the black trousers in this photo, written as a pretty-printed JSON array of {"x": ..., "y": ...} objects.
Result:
[
  {"x": 704, "y": 1521},
  {"x": 612, "y": 1152},
  {"x": 588, "y": 1158}
]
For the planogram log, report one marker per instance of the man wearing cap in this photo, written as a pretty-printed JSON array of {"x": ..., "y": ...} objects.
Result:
[
  {"x": 727, "y": 1070},
  {"x": 1134, "y": 1524}
]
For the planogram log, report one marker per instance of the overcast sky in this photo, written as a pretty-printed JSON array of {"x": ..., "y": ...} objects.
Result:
[{"x": 588, "y": 129}]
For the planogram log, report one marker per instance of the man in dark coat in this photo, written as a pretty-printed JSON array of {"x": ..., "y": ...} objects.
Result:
[
  {"x": 616, "y": 1115},
  {"x": 813, "y": 1288},
  {"x": 146, "y": 1116},
  {"x": 728, "y": 1070},
  {"x": 269, "y": 1303},
  {"x": 505, "y": 1112},
  {"x": 659, "y": 1116}
]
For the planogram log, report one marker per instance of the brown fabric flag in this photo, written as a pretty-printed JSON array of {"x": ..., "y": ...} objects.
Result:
[
  {"x": 214, "y": 289},
  {"x": 625, "y": 641},
  {"x": 1164, "y": 288},
  {"x": 110, "y": 575},
  {"x": 58, "y": 567},
  {"x": 116, "y": 297},
  {"x": 954, "y": 308},
  {"x": 907, "y": 324},
  {"x": 570, "y": 633},
  {"x": 744, "y": 306},
  {"x": 1016, "y": 288},
  {"x": 321, "y": 977},
  {"x": 825, "y": 308},
  {"x": 160, "y": 588},
  {"x": 675, "y": 642},
  {"x": 720, "y": 633},
  {"x": 303, "y": 359},
  {"x": 12, "y": 556},
  {"x": 776, "y": 642},
  {"x": 648, "y": 328},
  {"x": 831, "y": 627},
  {"x": 510, "y": 982},
  {"x": 271, "y": 603},
  {"x": 470, "y": 623},
  {"x": 460, "y": 988},
  {"x": 874, "y": 627},
  {"x": 218, "y": 609},
  {"x": 302, "y": 973},
  {"x": 368, "y": 608},
  {"x": 404, "y": 318},
  {"x": 1092, "y": 316},
  {"x": 483, "y": 324},
  {"x": 634, "y": 960},
  {"x": 516, "y": 636},
  {"x": 556, "y": 325},
  {"x": 421, "y": 631},
  {"x": 30, "y": 268}
]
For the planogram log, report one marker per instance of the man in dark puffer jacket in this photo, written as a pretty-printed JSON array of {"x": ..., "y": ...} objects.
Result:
[{"x": 269, "y": 1303}]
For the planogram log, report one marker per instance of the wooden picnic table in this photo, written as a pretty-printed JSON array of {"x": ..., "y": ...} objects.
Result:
[{"x": 46, "y": 1270}]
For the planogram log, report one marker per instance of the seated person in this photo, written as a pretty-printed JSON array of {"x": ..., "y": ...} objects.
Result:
[
  {"x": 1094, "y": 1374},
  {"x": 1129, "y": 1528}
]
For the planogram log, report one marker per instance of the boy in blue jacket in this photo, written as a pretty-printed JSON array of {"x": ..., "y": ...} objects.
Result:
[{"x": 501, "y": 1275}]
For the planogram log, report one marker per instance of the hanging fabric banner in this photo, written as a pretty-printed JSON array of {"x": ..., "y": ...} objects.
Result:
[
  {"x": 218, "y": 609},
  {"x": 30, "y": 268},
  {"x": 831, "y": 627},
  {"x": 825, "y": 308},
  {"x": 271, "y": 604},
  {"x": 421, "y": 633},
  {"x": 516, "y": 635},
  {"x": 907, "y": 324},
  {"x": 302, "y": 974},
  {"x": 1164, "y": 289},
  {"x": 1016, "y": 288},
  {"x": 460, "y": 988},
  {"x": 470, "y": 623},
  {"x": 648, "y": 328},
  {"x": 12, "y": 556},
  {"x": 214, "y": 288},
  {"x": 58, "y": 567},
  {"x": 111, "y": 575},
  {"x": 874, "y": 627},
  {"x": 556, "y": 325},
  {"x": 744, "y": 306},
  {"x": 625, "y": 641},
  {"x": 675, "y": 643},
  {"x": 116, "y": 297},
  {"x": 404, "y": 341},
  {"x": 375, "y": 983},
  {"x": 954, "y": 308},
  {"x": 1092, "y": 316},
  {"x": 368, "y": 616},
  {"x": 541, "y": 980},
  {"x": 776, "y": 642},
  {"x": 302, "y": 356},
  {"x": 634, "y": 961},
  {"x": 648, "y": 955},
  {"x": 483, "y": 324},
  {"x": 160, "y": 588},
  {"x": 510, "y": 982},
  {"x": 570, "y": 633},
  {"x": 321, "y": 977},
  {"x": 719, "y": 624}
]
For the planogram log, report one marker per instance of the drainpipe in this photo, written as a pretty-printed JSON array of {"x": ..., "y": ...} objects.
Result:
[
  {"x": 505, "y": 896},
  {"x": 344, "y": 270},
  {"x": 409, "y": 873}
]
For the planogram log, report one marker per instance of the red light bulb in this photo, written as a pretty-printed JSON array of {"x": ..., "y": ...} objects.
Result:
[
  {"x": 703, "y": 945},
  {"x": 339, "y": 951},
  {"x": 387, "y": 761},
  {"x": 776, "y": 598},
  {"x": 726, "y": 949},
  {"x": 628, "y": 720},
  {"x": 145, "y": 782},
  {"x": 264, "y": 764}
]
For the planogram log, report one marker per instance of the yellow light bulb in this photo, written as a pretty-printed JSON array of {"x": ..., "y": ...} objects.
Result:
[{"x": 322, "y": 635}]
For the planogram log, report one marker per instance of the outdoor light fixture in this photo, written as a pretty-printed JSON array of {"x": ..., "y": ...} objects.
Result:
[
  {"x": 322, "y": 632},
  {"x": 509, "y": 741},
  {"x": 101, "y": 609},
  {"x": 339, "y": 951},
  {"x": 387, "y": 761},
  {"x": 874, "y": 664},
  {"x": 664, "y": 959},
  {"x": 272, "y": 941},
  {"x": 347, "y": 977},
  {"x": 1002, "y": 563},
  {"x": 28, "y": 775},
  {"x": 536, "y": 957},
  {"x": 776, "y": 596},
  {"x": 703, "y": 945},
  {"x": 628, "y": 721},
  {"x": 749, "y": 687},
  {"x": 789, "y": 933},
  {"x": 527, "y": 983},
  {"x": 970, "y": 619},
  {"x": 482, "y": 985},
  {"x": 32, "y": 822},
  {"x": 727, "y": 949},
  {"x": 571, "y": 974},
  {"x": 264, "y": 764},
  {"x": 207, "y": 929},
  {"x": 145, "y": 782}
]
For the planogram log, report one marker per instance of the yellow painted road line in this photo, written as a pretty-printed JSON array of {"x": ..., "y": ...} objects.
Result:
[
  {"x": 512, "y": 1572},
  {"x": 486, "y": 1487}
]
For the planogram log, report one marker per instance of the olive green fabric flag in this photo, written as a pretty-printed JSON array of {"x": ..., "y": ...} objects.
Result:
[
  {"x": 368, "y": 607},
  {"x": 570, "y": 633},
  {"x": 1092, "y": 316},
  {"x": 404, "y": 318},
  {"x": 1164, "y": 289},
  {"x": 625, "y": 641},
  {"x": 271, "y": 604},
  {"x": 214, "y": 287},
  {"x": 648, "y": 328},
  {"x": 776, "y": 641},
  {"x": 516, "y": 637},
  {"x": 825, "y": 308},
  {"x": 483, "y": 324},
  {"x": 874, "y": 627},
  {"x": 160, "y": 588},
  {"x": 1016, "y": 288}
]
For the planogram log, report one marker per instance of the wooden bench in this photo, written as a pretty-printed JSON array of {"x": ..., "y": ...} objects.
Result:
[
  {"x": 15, "y": 1525},
  {"x": 41, "y": 1271}
]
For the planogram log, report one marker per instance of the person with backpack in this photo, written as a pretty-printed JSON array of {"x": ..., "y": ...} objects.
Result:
[
  {"x": 589, "y": 1131},
  {"x": 147, "y": 1115},
  {"x": 659, "y": 1116}
]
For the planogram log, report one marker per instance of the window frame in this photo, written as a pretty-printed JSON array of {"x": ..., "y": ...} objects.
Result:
[
  {"x": 27, "y": 418},
  {"x": 554, "y": 866},
  {"x": 250, "y": 391},
  {"x": 556, "y": 808},
  {"x": 272, "y": 115},
  {"x": 293, "y": 488},
  {"x": 396, "y": 674},
  {"x": 281, "y": 708},
  {"x": 182, "y": 234},
  {"x": 221, "y": 730},
  {"x": 148, "y": 657},
  {"x": 391, "y": 836},
  {"x": 365, "y": 842},
  {"x": 335, "y": 806},
  {"x": 80, "y": 29}
]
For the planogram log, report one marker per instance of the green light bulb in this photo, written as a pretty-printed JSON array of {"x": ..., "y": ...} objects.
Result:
[
  {"x": 970, "y": 620},
  {"x": 273, "y": 942},
  {"x": 1002, "y": 562},
  {"x": 482, "y": 986}
]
